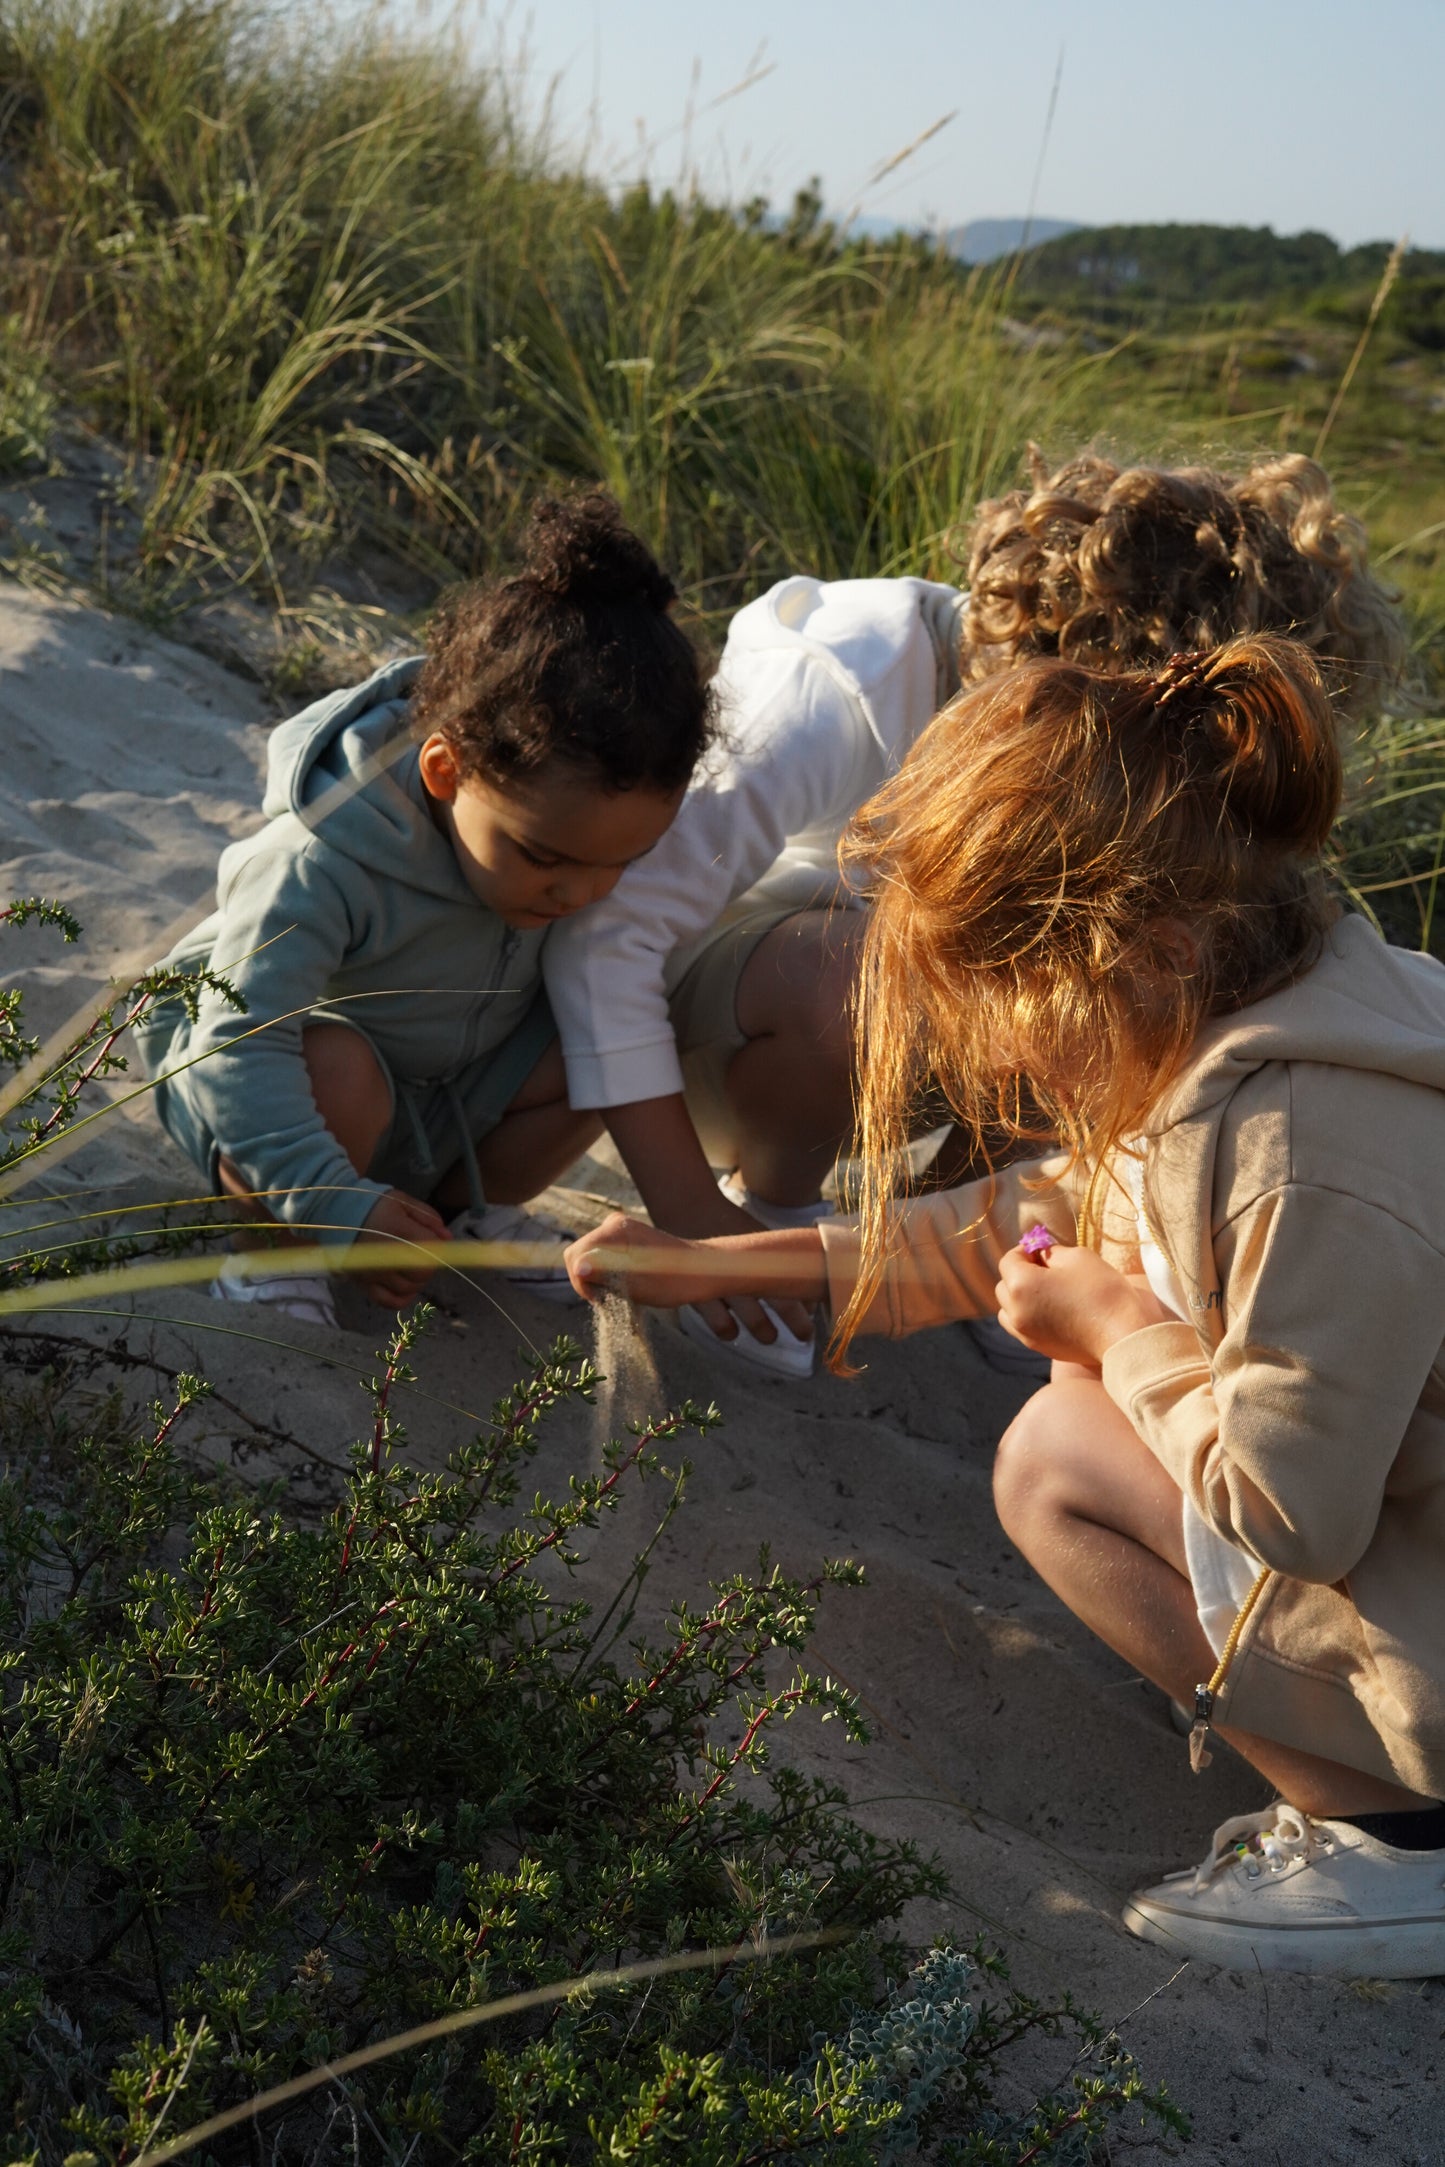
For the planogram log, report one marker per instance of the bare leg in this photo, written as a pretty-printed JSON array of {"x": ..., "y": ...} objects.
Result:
[
  {"x": 533, "y": 1144},
  {"x": 352, "y": 1098},
  {"x": 791, "y": 1085},
  {"x": 1098, "y": 1518}
]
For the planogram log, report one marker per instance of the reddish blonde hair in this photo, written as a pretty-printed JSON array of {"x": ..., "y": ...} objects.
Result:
[{"x": 1072, "y": 871}]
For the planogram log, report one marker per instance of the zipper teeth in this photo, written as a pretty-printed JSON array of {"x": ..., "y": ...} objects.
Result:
[{"x": 1245, "y": 1613}]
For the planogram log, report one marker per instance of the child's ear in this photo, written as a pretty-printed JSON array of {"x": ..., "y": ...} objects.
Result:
[{"x": 439, "y": 770}]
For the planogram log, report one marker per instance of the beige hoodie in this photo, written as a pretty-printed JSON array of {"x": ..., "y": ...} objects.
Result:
[{"x": 1295, "y": 1179}]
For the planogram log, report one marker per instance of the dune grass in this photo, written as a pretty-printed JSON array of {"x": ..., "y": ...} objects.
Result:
[
  {"x": 329, "y": 290},
  {"x": 341, "y": 304}
]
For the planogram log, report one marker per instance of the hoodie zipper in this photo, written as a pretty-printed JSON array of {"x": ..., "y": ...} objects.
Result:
[
  {"x": 1205, "y": 1696},
  {"x": 506, "y": 955}
]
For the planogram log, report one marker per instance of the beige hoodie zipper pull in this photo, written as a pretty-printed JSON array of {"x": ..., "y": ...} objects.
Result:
[{"x": 1205, "y": 1695}]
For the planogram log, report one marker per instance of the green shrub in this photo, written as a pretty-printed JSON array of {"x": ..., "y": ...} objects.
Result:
[
  {"x": 27, "y": 402},
  {"x": 277, "y": 1788},
  {"x": 41, "y": 1115}
]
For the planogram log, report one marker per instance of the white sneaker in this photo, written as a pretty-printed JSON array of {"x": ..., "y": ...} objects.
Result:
[
  {"x": 306, "y": 1296},
  {"x": 736, "y": 1190},
  {"x": 785, "y": 1356},
  {"x": 514, "y": 1223},
  {"x": 1286, "y": 1893}
]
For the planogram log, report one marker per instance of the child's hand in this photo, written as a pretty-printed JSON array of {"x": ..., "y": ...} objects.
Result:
[
  {"x": 662, "y": 1271},
  {"x": 1069, "y": 1304},
  {"x": 627, "y": 1256},
  {"x": 401, "y": 1218}
]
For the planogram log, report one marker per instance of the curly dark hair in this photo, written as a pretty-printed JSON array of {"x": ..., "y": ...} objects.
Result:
[
  {"x": 574, "y": 658},
  {"x": 1120, "y": 567}
]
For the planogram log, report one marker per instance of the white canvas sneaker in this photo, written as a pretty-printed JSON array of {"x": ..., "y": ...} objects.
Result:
[
  {"x": 1288, "y": 1893},
  {"x": 306, "y": 1296},
  {"x": 513, "y": 1223},
  {"x": 784, "y": 1356}
]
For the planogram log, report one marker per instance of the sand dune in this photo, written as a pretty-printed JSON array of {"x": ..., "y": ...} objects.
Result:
[{"x": 1045, "y": 1775}]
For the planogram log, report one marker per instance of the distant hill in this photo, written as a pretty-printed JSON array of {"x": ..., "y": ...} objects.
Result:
[
  {"x": 1111, "y": 273},
  {"x": 984, "y": 240},
  {"x": 1195, "y": 263}
]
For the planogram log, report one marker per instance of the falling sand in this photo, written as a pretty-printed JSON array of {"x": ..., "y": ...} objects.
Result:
[{"x": 629, "y": 1389}]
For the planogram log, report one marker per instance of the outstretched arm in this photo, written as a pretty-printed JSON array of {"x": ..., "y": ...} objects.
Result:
[{"x": 626, "y": 1256}]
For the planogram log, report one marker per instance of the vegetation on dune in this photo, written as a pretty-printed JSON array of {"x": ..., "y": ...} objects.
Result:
[
  {"x": 344, "y": 309},
  {"x": 281, "y": 1785},
  {"x": 278, "y": 1791},
  {"x": 330, "y": 290}
]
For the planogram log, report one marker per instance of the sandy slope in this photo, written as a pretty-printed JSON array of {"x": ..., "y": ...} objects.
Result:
[{"x": 1045, "y": 1775}]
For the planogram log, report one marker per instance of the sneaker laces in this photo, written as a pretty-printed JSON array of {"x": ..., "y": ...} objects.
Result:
[{"x": 1278, "y": 1836}]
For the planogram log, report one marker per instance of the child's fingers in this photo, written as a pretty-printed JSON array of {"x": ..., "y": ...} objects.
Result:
[
  {"x": 427, "y": 1221},
  {"x": 795, "y": 1315},
  {"x": 585, "y": 1270},
  {"x": 394, "y": 1293},
  {"x": 718, "y": 1318},
  {"x": 749, "y": 1313},
  {"x": 587, "y": 1276}
]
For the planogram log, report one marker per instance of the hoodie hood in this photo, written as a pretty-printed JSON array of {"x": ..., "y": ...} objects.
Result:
[
  {"x": 346, "y": 767},
  {"x": 1363, "y": 1005}
]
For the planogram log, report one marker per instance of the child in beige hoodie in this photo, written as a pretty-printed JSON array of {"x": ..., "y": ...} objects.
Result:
[{"x": 1110, "y": 887}]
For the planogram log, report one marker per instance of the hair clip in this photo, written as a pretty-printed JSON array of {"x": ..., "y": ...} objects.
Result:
[{"x": 1181, "y": 673}]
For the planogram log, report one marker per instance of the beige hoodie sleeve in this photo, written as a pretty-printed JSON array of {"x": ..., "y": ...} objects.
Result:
[
  {"x": 1333, "y": 1315},
  {"x": 946, "y": 1248}
]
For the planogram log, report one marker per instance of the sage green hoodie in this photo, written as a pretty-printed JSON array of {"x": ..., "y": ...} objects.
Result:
[{"x": 349, "y": 898}]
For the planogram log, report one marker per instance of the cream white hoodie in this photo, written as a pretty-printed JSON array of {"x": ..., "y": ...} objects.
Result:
[
  {"x": 1294, "y": 1178},
  {"x": 825, "y": 686}
]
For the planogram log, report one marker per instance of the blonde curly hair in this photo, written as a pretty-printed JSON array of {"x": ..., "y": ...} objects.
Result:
[{"x": 1120, "y": 567}]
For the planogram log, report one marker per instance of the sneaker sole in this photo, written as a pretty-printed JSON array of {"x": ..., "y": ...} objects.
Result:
[{"x": 1395, "y": 1949}]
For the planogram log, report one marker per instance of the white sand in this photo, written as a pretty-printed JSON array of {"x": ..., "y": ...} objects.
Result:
[{"x": 1045, "y": 1776}]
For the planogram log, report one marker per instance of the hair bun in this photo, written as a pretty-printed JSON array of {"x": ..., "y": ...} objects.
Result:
[
  {"x": 1261, "y": 706},
  {"x": 580, "y": 549}
]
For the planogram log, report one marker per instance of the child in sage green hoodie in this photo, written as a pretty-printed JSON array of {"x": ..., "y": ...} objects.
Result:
[{"x": 395, "y": 1059}]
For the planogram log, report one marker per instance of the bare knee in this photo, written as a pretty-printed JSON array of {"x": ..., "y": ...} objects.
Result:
[
  {"x": 1070, "y": 1458},
  {"x": 798, "y": 982},
  {"x": 350, "y": 1088},
  {"x": 1027, "y": 1466}
]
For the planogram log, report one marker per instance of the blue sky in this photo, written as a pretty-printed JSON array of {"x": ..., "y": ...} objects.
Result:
[{"x": 1290, "y": 113}]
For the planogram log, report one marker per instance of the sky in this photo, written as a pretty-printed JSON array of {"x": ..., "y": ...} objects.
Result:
[{"x": 1289, "y": 113}]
